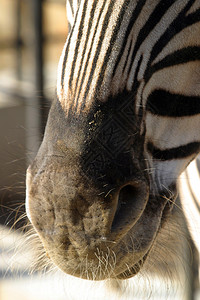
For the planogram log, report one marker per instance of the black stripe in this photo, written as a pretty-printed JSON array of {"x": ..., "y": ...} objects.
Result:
[
  {"x": 136, "y": 82},
  {"x": 153, "y": 20},
  {"x": 71, "y": 5},
  {"x": 112, "y": 41},
  {"x": 181, "y": 22},
  {"x": 127, "y": 56},
  {"x": 174, "y": 153},
  {"x": 90, "y": 50},
  {"x": 133, "y": 19},
  {"x": 98, "y": 49},
  {"x": 78, "y": 42},
  {"x": 178, "y": 57},
  {"x": 86, "y": 40},
  {"x": 167, "y": 104},
  {"x": 67, "y": 52}
]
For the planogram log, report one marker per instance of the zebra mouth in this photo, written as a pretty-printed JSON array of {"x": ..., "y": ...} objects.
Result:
[
  {"x": 165, "y": 212},
  {"x": 132, "y": 271}
]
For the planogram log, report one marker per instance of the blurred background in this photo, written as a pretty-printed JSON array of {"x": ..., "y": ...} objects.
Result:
[{"x": 32, "y": 35}]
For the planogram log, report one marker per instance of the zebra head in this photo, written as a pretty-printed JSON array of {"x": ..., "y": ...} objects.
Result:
[{"x": 122, "y": 128}]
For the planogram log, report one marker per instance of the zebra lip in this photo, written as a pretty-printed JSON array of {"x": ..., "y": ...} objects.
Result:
[{"x": 131, "y": 271}]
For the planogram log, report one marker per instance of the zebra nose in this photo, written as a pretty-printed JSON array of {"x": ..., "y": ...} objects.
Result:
[{"x": 131, "y": 202}]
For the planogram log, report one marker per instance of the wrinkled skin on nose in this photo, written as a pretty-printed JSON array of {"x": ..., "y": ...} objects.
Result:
[{"x": 88, "y": 192}]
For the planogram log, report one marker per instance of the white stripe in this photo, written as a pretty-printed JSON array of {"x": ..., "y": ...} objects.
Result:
[{"x": 167, "y": 132}]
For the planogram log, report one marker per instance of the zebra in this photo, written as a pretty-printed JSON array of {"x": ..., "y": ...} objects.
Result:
[{"x": 122, "y": 128}]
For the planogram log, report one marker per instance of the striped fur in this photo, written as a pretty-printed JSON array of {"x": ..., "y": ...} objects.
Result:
[
  {"x": 123, "y": 127},
  {"x": 150, "y": 49}
]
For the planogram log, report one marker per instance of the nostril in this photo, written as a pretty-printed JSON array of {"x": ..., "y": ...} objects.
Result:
[
  {"x": 126, "y": 197},
  {"x": 131, "y": 203}
]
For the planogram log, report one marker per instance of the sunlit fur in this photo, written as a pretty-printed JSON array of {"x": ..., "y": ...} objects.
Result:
[
  {"x": 122, "y": 128},
  {"x": 167, "y": 261}
]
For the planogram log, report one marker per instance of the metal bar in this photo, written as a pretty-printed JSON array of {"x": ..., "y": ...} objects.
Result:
[
  {"x": 18, "y": 44},
  {"x": 34, "y": 41},
  {"x": 39, "y": 59},
  {"x": 38, "y": 45}
]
